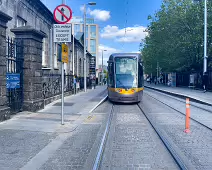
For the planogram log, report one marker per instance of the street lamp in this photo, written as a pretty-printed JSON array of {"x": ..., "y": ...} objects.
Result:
[
  {"x": 85, "y": 75},
  {"x": 102, "y": 65},
  {"x": 205, "y": 39}
]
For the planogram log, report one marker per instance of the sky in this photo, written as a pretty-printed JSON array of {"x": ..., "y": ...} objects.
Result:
[{"x": 121, "y": 22}]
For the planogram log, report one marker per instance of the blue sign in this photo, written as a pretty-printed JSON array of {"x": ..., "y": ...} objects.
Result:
[{"x": 13, "y": 80}]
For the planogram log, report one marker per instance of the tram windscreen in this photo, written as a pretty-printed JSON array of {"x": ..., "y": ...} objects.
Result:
[{"x": 126, "y": 72}]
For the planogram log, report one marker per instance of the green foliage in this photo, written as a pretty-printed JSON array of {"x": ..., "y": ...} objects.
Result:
[
  {"x": 106, "y": 73},
  {"x": 176, "y": 37}
]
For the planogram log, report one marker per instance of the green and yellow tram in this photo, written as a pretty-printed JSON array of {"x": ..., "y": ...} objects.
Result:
[{"x": 125, "y": 78}]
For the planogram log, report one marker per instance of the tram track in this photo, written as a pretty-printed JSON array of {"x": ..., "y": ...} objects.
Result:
[
  {"x": 103, "y": 141},
  {"x": 165, "y": 141},
  {"x": 182, "y": 162},
  {"x": 180, "y": 100},
  {"x": 100, "y": 152},
  {"x": 171, "y": 107}
]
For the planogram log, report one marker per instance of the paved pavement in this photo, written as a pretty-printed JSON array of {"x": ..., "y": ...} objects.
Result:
[
  {"x": 31, "y": 140},
  {"x": 194, "y": 148},
  {"x": 196, "y": 95}
]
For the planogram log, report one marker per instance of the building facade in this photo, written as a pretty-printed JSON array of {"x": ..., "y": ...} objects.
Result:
[
  {"x": 27, "y": 51},
  {"x": 92, "y": 35},
  {"x": 35, "y": 14}
]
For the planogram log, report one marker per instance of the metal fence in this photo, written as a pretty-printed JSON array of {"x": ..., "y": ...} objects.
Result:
[
  {"x": 52, "y": 84},
  {"x": 14, "y": 75},
  {"x": 183, "y": 79}
]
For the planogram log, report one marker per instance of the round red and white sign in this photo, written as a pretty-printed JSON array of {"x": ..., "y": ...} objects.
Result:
[{"x": 62, "y": 14}]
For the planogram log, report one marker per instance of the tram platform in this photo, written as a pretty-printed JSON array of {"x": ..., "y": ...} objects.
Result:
[{"x": 183, "y": 92}]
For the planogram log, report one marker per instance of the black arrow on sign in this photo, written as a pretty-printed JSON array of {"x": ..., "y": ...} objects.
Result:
[{"x": 62, "y": 10}]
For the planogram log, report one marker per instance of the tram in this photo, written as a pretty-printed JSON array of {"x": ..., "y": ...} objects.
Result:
[{"x": 125, "y": 78}]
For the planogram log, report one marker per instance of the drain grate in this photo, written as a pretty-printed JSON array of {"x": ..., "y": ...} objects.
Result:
[{"x": 65, "y": 104}]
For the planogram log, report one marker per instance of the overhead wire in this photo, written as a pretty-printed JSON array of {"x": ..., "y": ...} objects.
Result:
[{"x": 126, "y": 21}]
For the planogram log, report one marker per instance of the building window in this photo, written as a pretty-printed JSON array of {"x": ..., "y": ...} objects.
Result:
[
  {"x": 89, "y": 20},
  {"x": 92, "y": 46},
  {"x": 43, "y": 52},
  {"x": 86, "y": 31},
  {"x": 93, "y": 31},
  {"x": 55, "y": 55},
  {"x": 20, "y": 22},
  {"x": 87, "y": 44},
  {"x": 76, "y": 28}
]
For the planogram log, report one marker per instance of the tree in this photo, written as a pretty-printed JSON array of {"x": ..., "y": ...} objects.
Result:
[{"x": 175, "y": 37}]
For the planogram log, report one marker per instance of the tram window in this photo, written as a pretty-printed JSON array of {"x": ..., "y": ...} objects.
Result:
[
  {"x": 110, "y": 75},
  {"x": 140, "y": 74},
  {"x": 126, "y": 72}
]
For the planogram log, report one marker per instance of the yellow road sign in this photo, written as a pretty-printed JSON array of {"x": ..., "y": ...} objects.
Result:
[{"x": 64, "y": 53}]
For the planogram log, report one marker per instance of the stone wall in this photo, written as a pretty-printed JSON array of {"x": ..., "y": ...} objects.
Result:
[
  {"x": 32, "y": 54},
  {"x": 4, "y": 110}
]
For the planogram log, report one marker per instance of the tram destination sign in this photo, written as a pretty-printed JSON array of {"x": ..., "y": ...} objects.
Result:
[{"x": 62, "y": 33}]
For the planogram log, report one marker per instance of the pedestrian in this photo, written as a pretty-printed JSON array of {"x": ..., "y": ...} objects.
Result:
[
  {"x": 205, "y": 81},
  {"x": 94, "y": 82}
]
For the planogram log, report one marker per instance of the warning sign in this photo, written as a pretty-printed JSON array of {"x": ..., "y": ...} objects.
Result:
[
  {"x": 62, "y": 32},
  {"x": 64, "y": 53}
]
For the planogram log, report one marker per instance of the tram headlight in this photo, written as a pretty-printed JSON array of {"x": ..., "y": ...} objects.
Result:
[{"x": 119, "y": 90}]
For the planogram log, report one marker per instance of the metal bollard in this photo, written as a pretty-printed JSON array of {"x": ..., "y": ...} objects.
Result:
[{"x": 187, "y": 121}]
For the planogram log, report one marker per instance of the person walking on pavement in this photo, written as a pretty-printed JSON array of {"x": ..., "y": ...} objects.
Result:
[
  {"x": 205, "y": 81},
  {"x": 155, "y": 80}
]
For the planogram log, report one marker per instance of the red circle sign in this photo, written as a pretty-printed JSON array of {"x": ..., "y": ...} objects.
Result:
[{"x": 62, "y": 14}]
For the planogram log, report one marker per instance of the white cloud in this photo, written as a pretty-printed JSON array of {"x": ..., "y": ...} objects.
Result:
[
  {"x": 135, "y": 52},
  {"x": 81, "y": 8},
  {"x": 133, "y": 34},
  {"x": 88, "y": 10},
  {"x": 106, "y": 54},
  {"x": 101, "y": 15}
]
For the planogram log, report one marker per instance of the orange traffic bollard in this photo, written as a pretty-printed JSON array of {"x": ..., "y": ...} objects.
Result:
[{"x": 187, "y": 122}]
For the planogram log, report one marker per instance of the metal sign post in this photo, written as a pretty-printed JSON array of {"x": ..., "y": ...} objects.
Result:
[
  {"x": 64, "y": 60},
  {"x": 62, "y": 34},
  {"x": 62, "y": 99}
]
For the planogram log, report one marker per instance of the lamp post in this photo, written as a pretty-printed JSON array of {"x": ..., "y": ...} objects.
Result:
[
  {"x": 85, "y": 63},
  {"x": 205, "y": 38},
  {"x": 102, "y": 65},
  {"x": 62, "y": 79}
]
